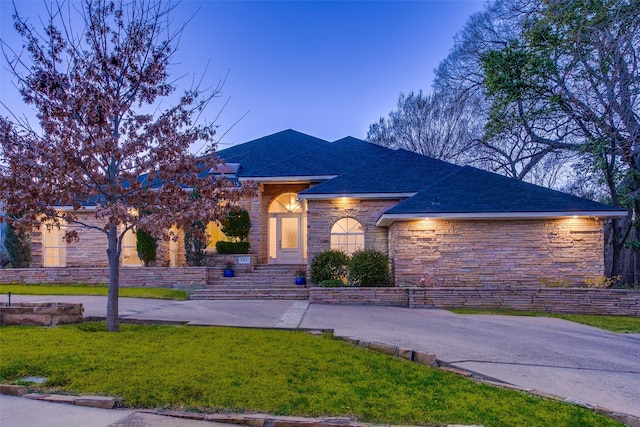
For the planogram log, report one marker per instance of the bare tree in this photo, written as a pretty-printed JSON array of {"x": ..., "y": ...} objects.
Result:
[
  {"x": 507, "y": 150},
  {"x": 433, "y": 125},
  {"x": 104, "y": 141}
]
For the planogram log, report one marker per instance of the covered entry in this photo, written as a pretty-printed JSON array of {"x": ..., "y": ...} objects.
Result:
[{"x": 287, "y": 230}]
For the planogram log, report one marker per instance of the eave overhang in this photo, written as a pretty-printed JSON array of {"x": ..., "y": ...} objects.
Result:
[
  {"x": 387, "y": 219},
  {"x": 286, "y": 179},
  {"x": 331, "y": 196}
]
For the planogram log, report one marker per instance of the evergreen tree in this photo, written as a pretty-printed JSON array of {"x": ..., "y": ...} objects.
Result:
[
  {"x": 195, "y": 244},
  {"x": 18, "y": 245},
  {"x": 147, "y": 246}
]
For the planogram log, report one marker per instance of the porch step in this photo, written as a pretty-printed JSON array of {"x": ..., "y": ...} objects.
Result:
[
  {"x": 263, "y": 276},
  {"x": 251, "y": 293}
]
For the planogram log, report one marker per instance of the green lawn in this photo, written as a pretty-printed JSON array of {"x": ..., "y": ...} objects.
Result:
[
  {"x": 279, "y": 372},
  {"x": 610, "y": 323},
  {"x": 100, "y": 290}
]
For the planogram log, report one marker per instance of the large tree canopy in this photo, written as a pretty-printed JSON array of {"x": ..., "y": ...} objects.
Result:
[
  {"x": 571, "y": 81},
  {"x": 556, "y": 88},
  {"x": 103, "y": 139}
]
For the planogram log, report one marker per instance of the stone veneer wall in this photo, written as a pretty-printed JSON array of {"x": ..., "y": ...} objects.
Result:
[
  {"x": 620, "y": 302},
  {"x": 397, "y": 297},
  {"x": 510, "y": 252},
  {"x": 322, "y": 214},
  {"x": 89, "y": 251},
  {"x": 154, "y": 277}
]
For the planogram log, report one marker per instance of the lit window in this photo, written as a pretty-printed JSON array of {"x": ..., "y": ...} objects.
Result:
[
  {"x": 54, "y": 246},
  {"x": 287, "y": 202},
  {"x": 129, "y": 250},
  {"x": 215, "y": 234},
  {"x": 347, "y": 236}
]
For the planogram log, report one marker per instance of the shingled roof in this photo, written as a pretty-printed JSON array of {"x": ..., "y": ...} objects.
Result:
[{"x": 427, "y": 187}]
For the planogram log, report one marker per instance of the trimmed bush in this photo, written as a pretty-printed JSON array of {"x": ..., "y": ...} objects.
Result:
[
  {"x": 331, "y": 283},
  {"x": 328, "y": 265},
  {"x": 237, "y": 225},
  {"x": 147, "y": 246},
  {"x": 223, "y": 247},
  {"x": 368, "y": 268}
]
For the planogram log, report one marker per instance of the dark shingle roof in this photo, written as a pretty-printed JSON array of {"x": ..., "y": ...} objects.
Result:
[
  {"x": 354, "y": 167},
  {"x": 474, "y": 190},
  {"x": 392, "y": 171},
  {"x": 270, "y": 150}
]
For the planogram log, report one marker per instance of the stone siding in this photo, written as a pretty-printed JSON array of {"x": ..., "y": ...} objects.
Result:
[
  {"x": 154, "y": 277},
  {"x": 90, "y": 250},
  {"x": 511, "y": 252},
  {"x": 322, "y": 214},
  {"x": 371, "y": 296}
]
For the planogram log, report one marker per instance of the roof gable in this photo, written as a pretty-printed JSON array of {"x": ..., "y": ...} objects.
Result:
[{"x": 269, "y": 150}]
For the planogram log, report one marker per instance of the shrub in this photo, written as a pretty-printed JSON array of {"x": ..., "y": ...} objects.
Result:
[
  {"x": 328, "y": 265},
  {"x": 18, "y": 245},
  {"x": 237, "y": 225},
  {"x": 331, "y": 283},
  {"x": 223, "y": 247},
  {"x": 368, "y": 268},
  {"x": 194, "y": 245},
  {"x": 147, "y": 246}
]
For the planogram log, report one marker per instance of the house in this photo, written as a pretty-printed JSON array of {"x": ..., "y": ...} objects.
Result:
[{"x": 437, "y": 222}]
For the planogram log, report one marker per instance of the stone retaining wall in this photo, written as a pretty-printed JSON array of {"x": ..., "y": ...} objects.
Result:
[
  {"x": 154, "y": 277},
  {"x": 373, "y": 296},
  {"x": 40, "y": 314},
  {"x": 620, "y": 302}
]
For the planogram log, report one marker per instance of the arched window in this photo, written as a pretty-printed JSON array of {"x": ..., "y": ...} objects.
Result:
[
  {"x": 347, "y": 235},
  {"x": 287, "y": 202}
]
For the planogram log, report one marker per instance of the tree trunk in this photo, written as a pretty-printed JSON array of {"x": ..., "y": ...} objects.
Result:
[
  {"x": 114, "y": 279},
  {"x": 621, "y": 260}
]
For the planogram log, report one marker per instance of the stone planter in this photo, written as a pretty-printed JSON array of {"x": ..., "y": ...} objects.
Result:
[{"x": 40, "y": 314}]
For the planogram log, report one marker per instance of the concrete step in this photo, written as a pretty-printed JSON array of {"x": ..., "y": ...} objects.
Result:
[
  {"x": 249, "y": 293},
  {"x": 264, "y": 275}
]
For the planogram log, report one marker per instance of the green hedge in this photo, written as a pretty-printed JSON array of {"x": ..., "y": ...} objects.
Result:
[
  {"x": 368, "y": 268},
  {"x": 328, "y": 265}
]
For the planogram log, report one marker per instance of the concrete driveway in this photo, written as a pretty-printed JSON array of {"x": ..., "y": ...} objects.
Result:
[{"x": 578, "y": 362}]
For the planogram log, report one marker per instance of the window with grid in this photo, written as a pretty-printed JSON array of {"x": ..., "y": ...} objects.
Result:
[{"x": 347, "y": 235}]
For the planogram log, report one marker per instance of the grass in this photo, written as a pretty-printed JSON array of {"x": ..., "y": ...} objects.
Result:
[
  {"x": 619, "y": 324},
  {"x": 99, "y": 290},
  {"x": 279, "y": 372}
]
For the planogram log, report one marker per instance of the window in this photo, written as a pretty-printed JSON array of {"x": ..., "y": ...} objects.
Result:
[
  {"x": 287, "y": 202},
  {"x": 129, "y": 250},
  {"x": 54, "y": 246},
  {"x": 347, "y": 235},
  {"x": 215, "y": 234}
]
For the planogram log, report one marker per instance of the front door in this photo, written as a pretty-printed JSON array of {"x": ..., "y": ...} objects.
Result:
[
  {"x": 287, "y": 230},
  {"x": 289, "y": 239}
]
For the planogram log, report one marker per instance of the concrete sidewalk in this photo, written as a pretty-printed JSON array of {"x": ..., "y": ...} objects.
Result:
[{"x": 577, "y": 362}]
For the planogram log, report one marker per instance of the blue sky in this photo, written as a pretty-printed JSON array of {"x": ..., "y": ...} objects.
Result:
[{"x": 329, "y": 69}]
